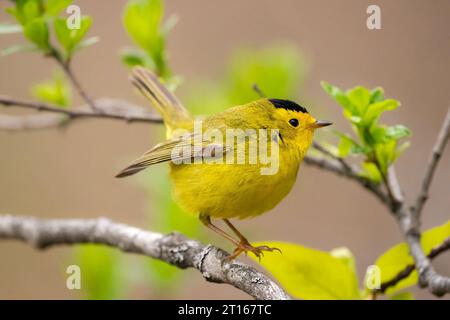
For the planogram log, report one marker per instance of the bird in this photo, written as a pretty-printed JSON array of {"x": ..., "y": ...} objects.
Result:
[{"x": 204, "y": 182}]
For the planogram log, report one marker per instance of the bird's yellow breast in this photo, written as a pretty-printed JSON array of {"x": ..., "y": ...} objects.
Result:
[{"x": 233, "y": 190}]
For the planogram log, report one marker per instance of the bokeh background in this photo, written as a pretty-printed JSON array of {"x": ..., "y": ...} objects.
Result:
[{"x": 69, "y": 172}]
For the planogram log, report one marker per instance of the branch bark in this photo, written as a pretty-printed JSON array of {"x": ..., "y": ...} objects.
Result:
[
  {"x": 173, "y": 248},
  {"x": 408, "y": 219},
  {"x": 108, "y": 109},
  {"x": 347, "y": 172}
]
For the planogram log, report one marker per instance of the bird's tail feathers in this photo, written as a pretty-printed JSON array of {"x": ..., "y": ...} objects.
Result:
[{"x": 164, "y": 101}]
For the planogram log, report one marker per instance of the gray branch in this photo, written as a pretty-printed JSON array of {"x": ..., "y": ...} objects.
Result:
[
  {"x": 409, "y": 218},
  {"x": 107, "y": 108},
  {"x": 174, "y": 248},
  {"x": 438, "y": 150},
  {"x": 349, "y": 172}
]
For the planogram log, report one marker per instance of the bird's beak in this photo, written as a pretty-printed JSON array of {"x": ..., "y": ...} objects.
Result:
[{"x": 321, "y": 123}]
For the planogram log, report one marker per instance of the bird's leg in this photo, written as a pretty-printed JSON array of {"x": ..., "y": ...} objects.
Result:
[
  {"x": 206, "y": 220},
  {"x": 244, "y": 245}
]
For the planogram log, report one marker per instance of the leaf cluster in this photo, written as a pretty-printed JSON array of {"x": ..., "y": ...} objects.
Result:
[{"x": 379, "y": 144}]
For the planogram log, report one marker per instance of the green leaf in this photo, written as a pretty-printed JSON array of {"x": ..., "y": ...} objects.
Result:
[
  {"x": 397, "y": 258},
  {"x": 403, "y": 296},
  {"x": 345, "y": 146},
  {"x": 370, "y": 172},
  {"x": 341, "y": 97},
  {"x": 249, "y": 67},
  {"x": 378, "y": 134},
  {"x": 360, "y": 98},
  {"x": 55, "y": 91},
  {"x": 377, "y": 95},
  {"x": 55, "y": 7},
  {"x": 347, "y": 257},
  {"x": 382, "y": 134},
  {"x": 375, "y": 110},
  {"x": 37, "y": 32},
  {"x": 385, "y": 154},
  {"x": 25, "y": 11},
  {"x": 310, "y": 274},
  {"x": 397, "y": 132},
  {"x": 8, "y": 28},
  {"x": 19, "y": 48},
  {"x": 31, "y": 9},
  {"x": 143, "y": 22},
  {"x": 71, "y": 38},
  {"x": 100, "y": 272}
]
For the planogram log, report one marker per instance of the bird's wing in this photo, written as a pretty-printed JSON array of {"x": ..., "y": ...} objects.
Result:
[{"x": 187, "y": 150}]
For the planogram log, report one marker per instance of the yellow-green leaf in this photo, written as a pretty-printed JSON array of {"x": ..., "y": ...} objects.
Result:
[
  {"x": 397, "y": 258},
  {"x": 100, "y": 272},
  {"x": 370, "y": 171},
  {"x": 71, "y": 38},
  {"x": 309, "y": 273},
  {"x": 37, "y": 32},
  {"x": 54, "y": 91},
  {"x": 359, "y": 97}
]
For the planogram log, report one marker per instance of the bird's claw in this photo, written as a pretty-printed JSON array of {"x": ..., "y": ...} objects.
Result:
[{"x": 245, "y": 247}]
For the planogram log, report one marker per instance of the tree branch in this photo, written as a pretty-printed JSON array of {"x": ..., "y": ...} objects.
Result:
[
  {"x": 109, "y": 109},
  {"x": 410, "y": 227},
  {"x": 174, "y": 248},
  {"x": 347, "y": 172}
]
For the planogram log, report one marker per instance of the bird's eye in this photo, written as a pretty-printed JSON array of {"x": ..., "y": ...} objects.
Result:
[{"x": 293, "y": 122}]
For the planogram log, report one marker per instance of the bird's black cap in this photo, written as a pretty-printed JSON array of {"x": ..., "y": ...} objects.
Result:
[{"x": 288, "y": 105}]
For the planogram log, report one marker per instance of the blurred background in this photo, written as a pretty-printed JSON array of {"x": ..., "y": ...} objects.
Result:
[{"x": 218, "y": 49}]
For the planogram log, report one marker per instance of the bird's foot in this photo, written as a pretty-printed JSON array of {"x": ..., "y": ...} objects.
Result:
[{"x": 245, "y": 247}]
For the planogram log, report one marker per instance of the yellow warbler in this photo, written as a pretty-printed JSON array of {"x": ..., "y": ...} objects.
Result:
[{"x": 236, "y": 164}]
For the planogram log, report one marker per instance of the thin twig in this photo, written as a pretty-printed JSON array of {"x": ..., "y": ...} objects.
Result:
[
  {"x": 349, "y": 172},
  {"x": 258, "y": 91},
  {"x": 65, "y": 65},
  {"x": 326, "y": 152},
  {"x": 174, "y": 248},
  {"x": 438, "y": 149},
  {"x": 411, "y": 267}
]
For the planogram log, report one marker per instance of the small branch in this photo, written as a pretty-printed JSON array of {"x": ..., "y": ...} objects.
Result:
[
  {"x": 409, "y": 218},
  {"x": 65, "y": 65},
  {"x": 347, "y": 172},
  {"x": 110, "y": 109},
  {"x": 326, "y": 152},
  {"x": 438, "y": 149},
  {"x": 258, "y": 91},
  {"x": 174, "y": 248},
  {"x": 410, "y": 268},
  {"x": 30, "y": 122}
]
